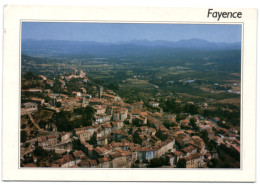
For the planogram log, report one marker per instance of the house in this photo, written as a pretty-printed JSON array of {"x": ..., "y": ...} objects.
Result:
[
  {"x": 107, "y": 128},
  {"x": 189, "y": 150},
  {"x": 83, "y": 135},
  {"x": 76, "y": 93},
  {"x": 118, "y": 160},
  {"x": 102, "y": 141},
  {"x": 122, "y": 113},
  {"x": 86, "y": 95},
  {"x": 154, "y": 104},
  {"x": 204, "y": 127},
  {"x": 65, "y": 136},
  {"x": 194, "y": 161},
  {"x": 78, "y": 155},
  {"x": 119, "y": 134},
  {"x": 100, "y": 152},
  {"x": 37, "y": 100},
  {"x": 104, "y": 162},
  {"x": 111, "y": 97},
  {"x": 100, "y": 109},
  {"x": 46, "y": 141},
  {"x": 30, "y": 105},
  {"x": 66, "y": 161},
  {"x": 149, "y": 153},
  {"x": 200, "y": 144},
  {"x": 184, "y": 122},
  {"x": 101, "y": 118}
]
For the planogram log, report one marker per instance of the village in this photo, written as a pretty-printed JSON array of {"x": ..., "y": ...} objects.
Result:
[{"x": 120, "y": 134}]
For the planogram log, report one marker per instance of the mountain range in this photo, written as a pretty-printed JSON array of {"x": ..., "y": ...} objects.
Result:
[{"x": 133, "y": 47}]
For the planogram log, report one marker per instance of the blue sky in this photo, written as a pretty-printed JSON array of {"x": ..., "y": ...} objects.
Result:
[{"x": 116, "y": 32}]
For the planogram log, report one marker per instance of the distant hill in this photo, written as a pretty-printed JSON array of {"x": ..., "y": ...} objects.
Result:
[{"x": 134, "y": 47}]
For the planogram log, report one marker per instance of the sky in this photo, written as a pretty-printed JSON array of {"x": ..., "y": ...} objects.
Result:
[{"x": 118, "y": 32}]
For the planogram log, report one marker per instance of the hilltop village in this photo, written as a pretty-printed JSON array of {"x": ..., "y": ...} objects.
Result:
[{"x": 71, "y": 122}]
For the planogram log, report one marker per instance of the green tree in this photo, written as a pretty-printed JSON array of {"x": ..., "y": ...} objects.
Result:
[
  {"x": 193, "y": 124},
  {"x": 39, "y": 151},
  {"x": 181, "y": 163},
  {"x": 93, "y": 139},
  {"x": 23, "y": 126},
  {"x": 136, "y": 138},
  {"x": 155, "y": 163},
  {"x": 23, "y": 136}
]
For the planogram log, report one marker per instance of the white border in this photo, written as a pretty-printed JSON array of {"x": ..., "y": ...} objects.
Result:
[{"x": 11, "y": 76}]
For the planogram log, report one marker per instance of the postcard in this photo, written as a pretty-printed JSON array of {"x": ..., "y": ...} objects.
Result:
[{"x": 129, "y": 94}]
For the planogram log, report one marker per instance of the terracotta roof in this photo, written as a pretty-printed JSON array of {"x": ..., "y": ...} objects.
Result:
[
  {"x": 115, "y": 155},
  {"x": 143, "y": 128},
  {"x": 78, "y": 154},
  {"x": 178, "y": 153},
  {"x": 185, "y": 121},
  {"x": 117, "y": 144},
  {"x": 102, "y": 160},
  {"x": 54, "y": 165},
  {"x": 193, "y": 156},
  {"x": 93, "y": 162},
  {"x": 68, "y": 158},
  {"x": 29, "y": 165},
  {"x": 188, "y": 149},
  {"x": 237, "y": 148}
]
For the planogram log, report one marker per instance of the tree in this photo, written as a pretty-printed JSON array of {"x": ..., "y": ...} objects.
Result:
[
  {"x": 155, "y": 163},
  {"x": 190, "y": 108},
  {"x": 193, "y": 124},
  {"x": 58, "y": 104},
  {"x": 213, "y": 163},
  {"x": 160, "y": 135},
  {"x": 93, "y": 139},
  {"x": 169, "y": 124},
  {"x": 181, "y": 163},
  {"x": 136, "y": 138},
  {"x": 158, "y": 162},
  {"x": 77, "y": 144},
  {"x": 39, "y": 151},
  {"x": 23, "y": 136}
]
